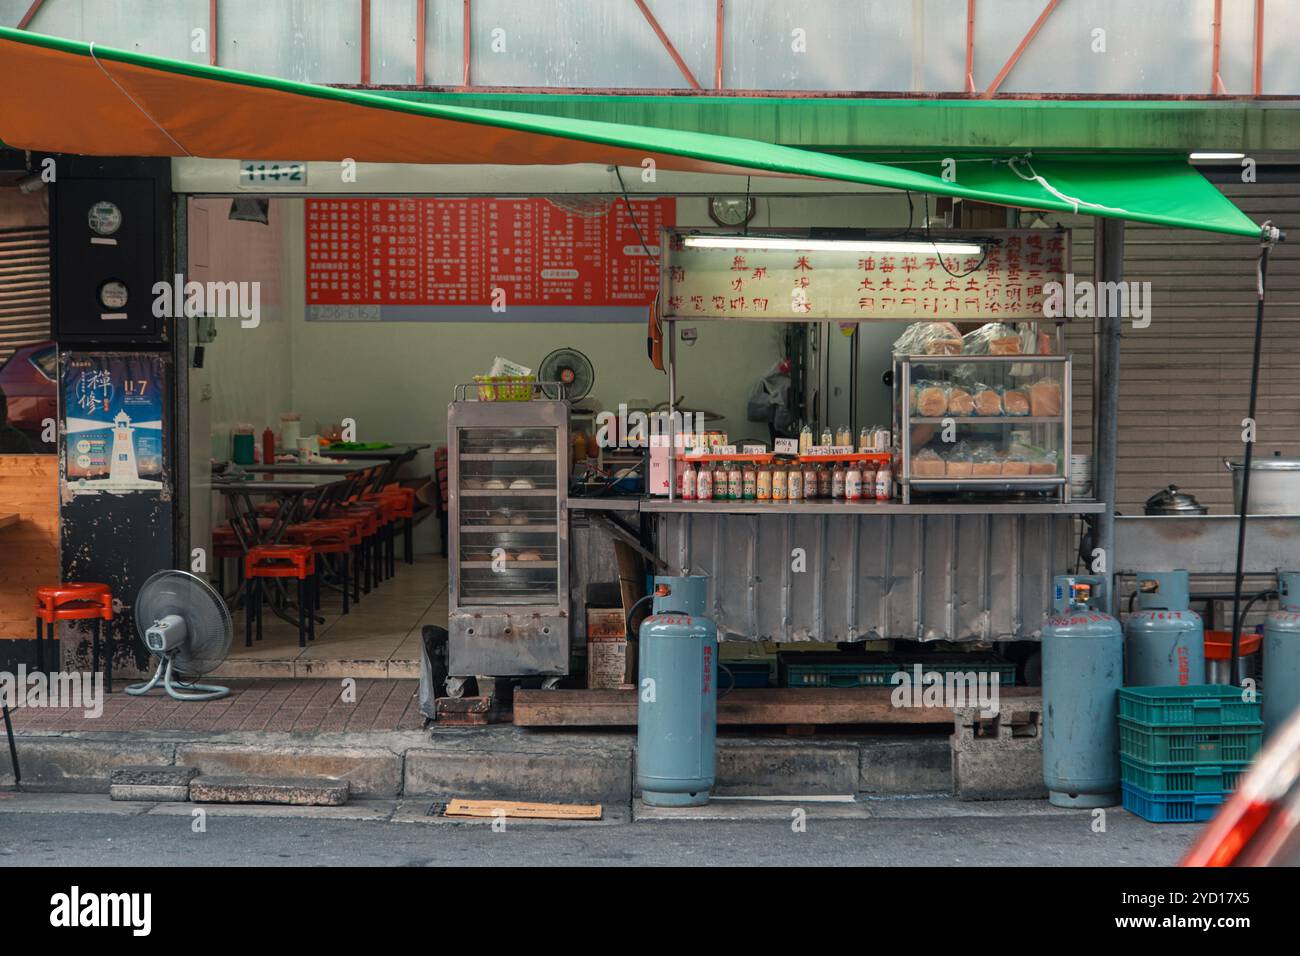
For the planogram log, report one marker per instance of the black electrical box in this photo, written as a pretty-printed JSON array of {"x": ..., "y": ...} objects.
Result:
[{"x": 111, "y": 245}]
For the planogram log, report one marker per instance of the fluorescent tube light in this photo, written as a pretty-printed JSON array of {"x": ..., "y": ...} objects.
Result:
[
  {"x": 832, "y": 245},
  {"x": 1199, "y": 156}
]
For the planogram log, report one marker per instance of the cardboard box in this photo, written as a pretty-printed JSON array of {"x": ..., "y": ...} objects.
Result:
[{"x": 611, "y": 657}]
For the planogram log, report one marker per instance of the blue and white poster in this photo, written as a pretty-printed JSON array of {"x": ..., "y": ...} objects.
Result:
[{"x": 113, "y": 422}]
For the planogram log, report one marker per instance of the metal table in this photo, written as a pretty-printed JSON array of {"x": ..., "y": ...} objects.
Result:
[
  {"x": 356, "y": 473},
  {"x": 290, "y": 489},
  {"x": 394, "y": 457}
]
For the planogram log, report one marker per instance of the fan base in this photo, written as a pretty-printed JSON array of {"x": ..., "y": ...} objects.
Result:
[{"x": 163, "y": 675}]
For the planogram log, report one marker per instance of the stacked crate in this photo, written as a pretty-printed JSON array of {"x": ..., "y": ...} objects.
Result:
[{"x": 1183, "y": 749}]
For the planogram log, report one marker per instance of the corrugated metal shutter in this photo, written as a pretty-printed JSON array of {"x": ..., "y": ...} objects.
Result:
[
  {"x": 1185, "y": 380},
  {"x": 24, "y": 287}
]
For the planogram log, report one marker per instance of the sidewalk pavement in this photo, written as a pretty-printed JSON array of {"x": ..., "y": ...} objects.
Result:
[{"x": 291, "y": 706}]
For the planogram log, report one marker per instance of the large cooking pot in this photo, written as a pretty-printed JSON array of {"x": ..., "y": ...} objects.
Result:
[
  {"x": 1274, "y": 485},
  {"x": 1171, "y": 501}
]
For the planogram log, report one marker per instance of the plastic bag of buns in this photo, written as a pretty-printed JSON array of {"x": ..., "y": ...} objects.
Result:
[
  {"x": 1045, "y": 399},
  {"x": 929, "y": 338},
  {"x": 926, "y": 463},
  {"x": 1015, "y": 401},
  {"x": 960, "y": 401},
  {"x": 931, "y": 400},
  {"x": 1042, "y": 463},
  {"x": 988, "y": 401},
  {"x": 959, "y": 461},
  {"x": 992, "y": 338},
  {"x": 985, "y": 462}
]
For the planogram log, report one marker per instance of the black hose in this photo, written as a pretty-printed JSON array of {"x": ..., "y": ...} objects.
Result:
[{"x": 627, "y": 625}]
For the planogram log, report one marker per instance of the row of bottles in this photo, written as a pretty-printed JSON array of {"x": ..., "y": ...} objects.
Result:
[
  {"x": 786, "y": 481},
  {"x": 870, "y": 439}
]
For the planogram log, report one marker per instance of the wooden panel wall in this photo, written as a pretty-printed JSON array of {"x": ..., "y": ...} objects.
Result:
[{"x": 29, "y": 550}]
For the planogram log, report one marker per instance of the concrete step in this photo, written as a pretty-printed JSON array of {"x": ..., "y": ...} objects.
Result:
[
  {"x": 294, "y": 791},
  {"x": 495, "y": 762},
  {"x": 157, "y": 783}
]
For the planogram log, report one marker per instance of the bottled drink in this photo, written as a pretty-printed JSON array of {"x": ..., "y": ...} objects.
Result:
[
  {"x": 837, "y": 482},
  {"x": 763, "y": 492},
  {"x": 884, "y": 483},
  {"x": 780, "y": 483},
  {"x": 824, "y": 481},
  {"x": 844, "y": 437},
  {"x": 704, "y": 484},
  {"x": 811, "y": 480},
  {"x": 864, "y": 439},
  {"x": 827, "y": 437},
  {"x": 749, "y": 481},
  {"x": 688, "y": 483},
  {"x": 853, "y": 482},
  {"x": 805, "y": 439},
  {"x": 735, "y": 481},
  {"x": 794, "y": 483}
]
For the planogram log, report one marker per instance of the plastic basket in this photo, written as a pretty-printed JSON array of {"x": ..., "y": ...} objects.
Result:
[
  {"x": 1196, "y": 705},
  {"x": 1171, "y": 807},
  {"x": 1225, "y": 743},
  {"x": 802, "y": 669},
  {"x": 1172, "y": 778},
  {"x": 505, "y": 388}
]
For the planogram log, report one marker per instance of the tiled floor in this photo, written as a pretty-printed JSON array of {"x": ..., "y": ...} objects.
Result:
[
  {"x": 291, "y": 706},
  {"x": 379, "y": 638}
]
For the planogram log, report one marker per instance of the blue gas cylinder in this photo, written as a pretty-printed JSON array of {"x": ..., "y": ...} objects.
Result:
[
  {"x": 1164, "y": 640},
  {"x": 1281, "y": 646},
  {"x": 1083, "y": 670},
  {"x": 677, "y": 697}
]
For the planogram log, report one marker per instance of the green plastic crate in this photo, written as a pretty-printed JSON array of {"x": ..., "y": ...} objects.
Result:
[
  {"x": 1172, "y": 778},
  {"x": 1196, "y": 705},
  {"x": 1225, "y": 743},
  {"x": 804, "y": 669}
]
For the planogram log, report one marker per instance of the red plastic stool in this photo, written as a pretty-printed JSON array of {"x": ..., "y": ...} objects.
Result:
[
  {"x": 403, "y": 500},
  {"x": 76, "y": 602},
  {"x": 328, "y": 536},
  {"x": 279, "y": 561},
  {"x": 371, "y": 516}
]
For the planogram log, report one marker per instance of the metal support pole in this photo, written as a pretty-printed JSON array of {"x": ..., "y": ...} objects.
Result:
[
  {"x": 1108, "y": 266},
  {"x": 854, "y": 343},
  {"x": 1271, "y": 235},
  {"x": 672, "y": 410}
]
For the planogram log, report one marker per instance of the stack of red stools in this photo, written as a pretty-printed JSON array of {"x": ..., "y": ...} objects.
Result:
[
  {"x": 76, "y": 602},
  {"x": 273, "y": 561},
  {"x": 337, "y": 536}
]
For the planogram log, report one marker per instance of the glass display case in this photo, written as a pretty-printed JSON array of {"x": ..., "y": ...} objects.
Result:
[
  {"x": 997, "y": 425},
  {"x": 508, "y": 472}
]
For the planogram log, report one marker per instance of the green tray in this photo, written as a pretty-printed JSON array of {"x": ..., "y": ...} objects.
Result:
[
  {"x": 1196, "y": 705},
  {"x": 1172, "y": 778},
  {"x": 1224, "y": 743}
]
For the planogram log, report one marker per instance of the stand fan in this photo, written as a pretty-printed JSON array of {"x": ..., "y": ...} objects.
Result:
[
  {"x": 187, "y": 626},
  {"x": 571, "y": 369}
]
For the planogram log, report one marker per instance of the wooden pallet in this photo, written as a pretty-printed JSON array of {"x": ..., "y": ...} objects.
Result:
[{"x": 771, "y": 706}]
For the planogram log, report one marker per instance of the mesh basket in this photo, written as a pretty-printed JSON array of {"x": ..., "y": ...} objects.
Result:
[{"x": 505, "y": 388}]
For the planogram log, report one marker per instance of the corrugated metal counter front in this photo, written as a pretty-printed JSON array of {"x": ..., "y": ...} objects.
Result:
[{"x": 827, "y": 571}]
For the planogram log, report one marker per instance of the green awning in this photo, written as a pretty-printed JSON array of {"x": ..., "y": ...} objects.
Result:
[{"x": 65, "y": 96}]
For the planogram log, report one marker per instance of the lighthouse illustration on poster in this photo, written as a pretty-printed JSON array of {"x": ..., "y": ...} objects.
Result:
[{"x": 113, "y": 429}]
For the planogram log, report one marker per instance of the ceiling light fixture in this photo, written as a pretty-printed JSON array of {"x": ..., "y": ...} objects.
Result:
[{"x": 832, "y": 245}]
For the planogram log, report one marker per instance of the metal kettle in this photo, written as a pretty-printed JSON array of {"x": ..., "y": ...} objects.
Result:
[{"x": 1171, "y": 501}]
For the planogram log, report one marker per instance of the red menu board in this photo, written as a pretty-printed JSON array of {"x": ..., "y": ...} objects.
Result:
[{"x": 455, "y": 252}]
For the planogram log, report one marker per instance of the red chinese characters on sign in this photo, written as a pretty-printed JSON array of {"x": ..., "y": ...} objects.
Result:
[
  {"x": 1006, "y": 280},
  {"x": 450, "y": 252}
]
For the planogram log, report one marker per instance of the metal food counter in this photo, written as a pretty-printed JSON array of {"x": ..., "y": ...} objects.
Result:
[{"x": 833, "y": 571}]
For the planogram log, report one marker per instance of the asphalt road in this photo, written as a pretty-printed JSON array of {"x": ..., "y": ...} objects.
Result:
[{"x": 90, "y": 831}]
